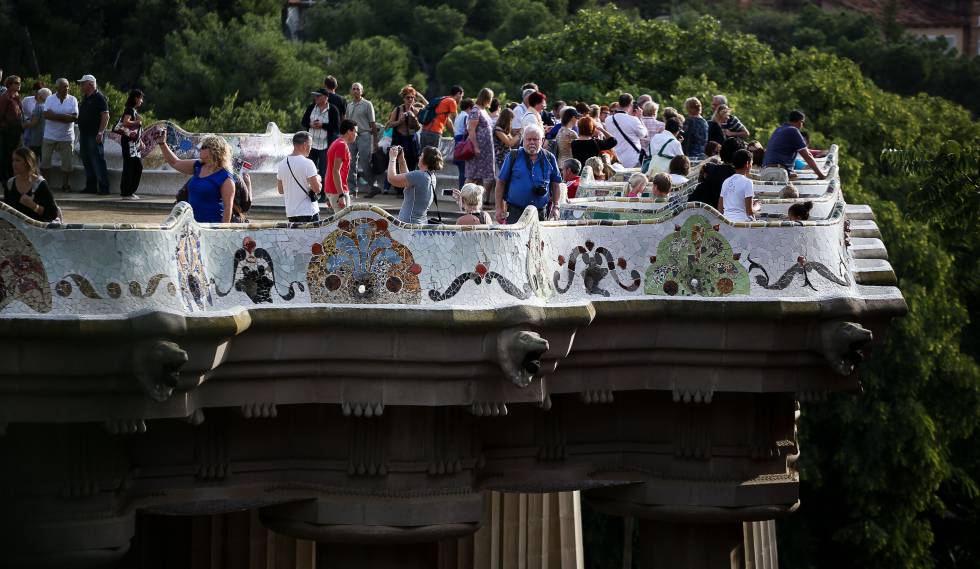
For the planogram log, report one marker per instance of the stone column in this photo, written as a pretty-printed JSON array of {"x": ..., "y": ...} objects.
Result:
[{"x": 527, "y": 531}]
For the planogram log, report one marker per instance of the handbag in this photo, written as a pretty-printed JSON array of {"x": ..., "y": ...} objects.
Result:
[
  {"x": 119, "y": 128},
  {"x": 182, "y": 193},
  {"x": 464, "y": 150}
]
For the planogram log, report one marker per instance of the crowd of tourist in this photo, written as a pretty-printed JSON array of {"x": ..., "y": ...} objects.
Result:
[{"x": 517, "y": 154}]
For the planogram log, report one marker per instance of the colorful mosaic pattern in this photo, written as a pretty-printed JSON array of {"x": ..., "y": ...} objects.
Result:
[
  {"x": 802, "y": 267},
  {"x": 360, "y": 263},
  {"x": 696, "y": 260},
  {"x": 253, "y": 273},
  {"x": 481, "y": 274},
  {"x": 537, "y": 266},
  {"x": 22, "y": 275},
  {"x": 599, "y": 264},
  {"x": 192, "y": 276},
  {"x": 113, "y": 289}
]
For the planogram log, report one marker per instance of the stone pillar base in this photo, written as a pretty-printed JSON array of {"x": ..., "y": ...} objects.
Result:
[
  {"x": 666, "y": 545},
  {"x": 360, "y": 556}
]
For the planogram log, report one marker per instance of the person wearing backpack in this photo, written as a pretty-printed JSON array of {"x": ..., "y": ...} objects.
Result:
[
  {"x": 436, "y": 114},
  {"x": 528, "y": 177}
]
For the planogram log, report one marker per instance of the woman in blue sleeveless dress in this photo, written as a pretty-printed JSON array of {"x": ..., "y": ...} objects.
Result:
[{"x": 211, "y": 190}]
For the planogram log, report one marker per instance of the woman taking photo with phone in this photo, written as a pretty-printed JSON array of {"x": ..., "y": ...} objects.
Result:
[
  {"x": 419, "y": 185},
  {"x": 210, "y": 190}
]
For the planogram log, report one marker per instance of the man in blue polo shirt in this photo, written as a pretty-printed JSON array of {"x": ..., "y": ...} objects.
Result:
[
  {"x": 784, "y": 143},
  {"x": 528, "y": 176}
]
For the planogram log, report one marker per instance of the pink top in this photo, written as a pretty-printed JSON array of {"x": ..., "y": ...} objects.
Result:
[{"x": 654, "y": 127}]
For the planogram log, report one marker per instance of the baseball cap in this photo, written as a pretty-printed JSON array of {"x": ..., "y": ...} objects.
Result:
[
  {"x": 320, "y": 91},
  {"x": 86, "y": 77}
]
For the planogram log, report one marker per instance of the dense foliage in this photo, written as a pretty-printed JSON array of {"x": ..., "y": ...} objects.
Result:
[{"x": 890, "y": 477}]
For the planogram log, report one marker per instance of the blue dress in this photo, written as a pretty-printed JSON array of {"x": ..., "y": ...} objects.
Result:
[{"x": 204, "y": 194}]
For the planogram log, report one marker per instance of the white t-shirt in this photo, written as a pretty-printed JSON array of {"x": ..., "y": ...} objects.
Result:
[
  {"x": 27, "y": 104},
  {"x": 733, "y": 193},
  {"x": 678, "y": 180},
  {"x": 630, "y": 129},
  {"x": 529, "y": 118},
  {"x": 459, "y": 125},
  {"x": 60, "y": 131},
  {"x": 297, "y": 200},
  {"x": 673, "y": 148},
  {"x": 519, "y": 112}
]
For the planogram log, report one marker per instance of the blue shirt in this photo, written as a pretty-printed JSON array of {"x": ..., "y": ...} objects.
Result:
[
  {"x": 784, "y": 143},
  {"x": 695, "y": 136},
  {"x": 523, "y": 180},
  {"x": 204, "y": 195}
]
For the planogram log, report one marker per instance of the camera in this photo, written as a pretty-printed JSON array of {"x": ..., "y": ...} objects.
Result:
[
  {"x": 311, "y": 194},
  {"x": 540, "y": 190}
]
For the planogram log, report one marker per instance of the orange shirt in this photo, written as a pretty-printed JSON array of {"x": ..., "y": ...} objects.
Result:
[{"x": 443, "y": 109}]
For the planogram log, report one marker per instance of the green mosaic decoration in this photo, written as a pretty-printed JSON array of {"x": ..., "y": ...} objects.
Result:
[{"x": 696, "y": 260}]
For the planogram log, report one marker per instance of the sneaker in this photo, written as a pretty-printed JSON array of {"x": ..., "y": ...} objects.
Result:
[
  {"x": 373, "y": 192},
  {"x": 131, "y": 197}
]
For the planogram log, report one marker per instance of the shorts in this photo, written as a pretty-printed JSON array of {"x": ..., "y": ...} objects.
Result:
[{"x": 64, "y": 150}]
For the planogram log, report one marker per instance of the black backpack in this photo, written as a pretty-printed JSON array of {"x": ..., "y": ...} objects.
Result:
[{"x": 428, "y": 114}]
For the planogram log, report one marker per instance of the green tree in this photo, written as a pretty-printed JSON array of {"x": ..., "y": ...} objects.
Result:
[
  {"x": 524, "y": 18},
  {"x": 248, "y": 56},
  {"x": 434, "y": 32},
  {"x": 473, "y": 65},
  {"x": 337, "y": 24},
  {"x": 250, "y": 116},
  {"x": 382, "y": 65}
]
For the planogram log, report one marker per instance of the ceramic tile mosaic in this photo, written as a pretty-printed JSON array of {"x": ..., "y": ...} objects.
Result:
[{"x": 626, "y": 248}]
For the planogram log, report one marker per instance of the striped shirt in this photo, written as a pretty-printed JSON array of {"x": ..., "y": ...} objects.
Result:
[
  {"x": 733, "y": 124},
  {"x": 319, "y": 135}
]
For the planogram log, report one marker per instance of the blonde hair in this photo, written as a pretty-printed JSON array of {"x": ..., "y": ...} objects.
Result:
[
  {"x": 637, "y": 180},
  {"x": 484, "y": 97},
  {"x": 721, "y": 108},
  {"x": 598, "y": 167},
  {"x": 692, "y": 105},
  {"x": 471, "y": 195},
  {"x": 650, "y": 109},
  {"x": 29, "y": 158},
  {"x": 219, "y": 149}
]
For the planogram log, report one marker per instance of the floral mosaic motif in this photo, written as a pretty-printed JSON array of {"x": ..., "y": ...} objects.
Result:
[
  {"x": 599, "y": 264},
  {"x": 22, "y": 275},
  {"x": 113, "y": 289},
  {"x": 360, "y": 263},
  {"x": 254, "y": 274},
  {"x": 696, "y": 260},
  {"x": 802, "y": 267},
  {"x": 481, "y": 274},
  {"x": 191, "y": 275}
]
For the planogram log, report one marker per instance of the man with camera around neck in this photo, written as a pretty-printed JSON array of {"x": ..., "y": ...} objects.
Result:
[
  {"x": 298, "y": 181},
  {"x": 528, "y": 176}
]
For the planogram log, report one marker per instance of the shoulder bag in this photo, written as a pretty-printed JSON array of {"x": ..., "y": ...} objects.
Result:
[
  {"x": 309, "y": 193},
  {"x": 641, "y": 152}
]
